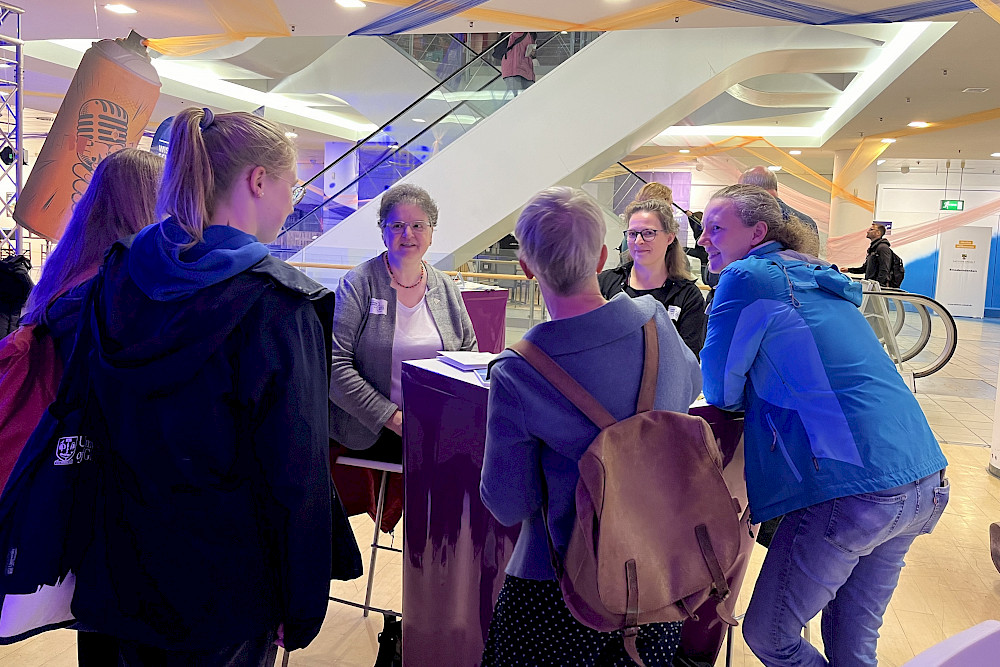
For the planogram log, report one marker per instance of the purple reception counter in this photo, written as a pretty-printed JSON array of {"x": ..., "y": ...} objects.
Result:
[
  {"x": 487, "y": 308},
  {"x": 454, "y": 551}
]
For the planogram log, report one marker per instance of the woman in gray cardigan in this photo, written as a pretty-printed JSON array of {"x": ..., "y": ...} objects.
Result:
[{"x": 393, "y": 308}]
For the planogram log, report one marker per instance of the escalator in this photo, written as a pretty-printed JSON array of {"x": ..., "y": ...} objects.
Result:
[
  {"x": 469, "y": 88},
  {"x": 602, "y": 103},
  {"x": 918, "y": 333}
]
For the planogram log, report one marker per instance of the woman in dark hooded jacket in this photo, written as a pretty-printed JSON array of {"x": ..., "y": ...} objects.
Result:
[{"x": 210, "y": 369}]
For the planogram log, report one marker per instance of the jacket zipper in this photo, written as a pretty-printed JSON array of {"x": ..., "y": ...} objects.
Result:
[{"x": 777, "y": 443}]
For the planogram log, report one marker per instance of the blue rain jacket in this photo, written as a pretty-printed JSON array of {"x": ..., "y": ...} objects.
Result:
[{"x": 827, "y": 414}]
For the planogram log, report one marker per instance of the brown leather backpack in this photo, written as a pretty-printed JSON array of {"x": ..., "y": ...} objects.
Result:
[{"x": 656, "y": 529}]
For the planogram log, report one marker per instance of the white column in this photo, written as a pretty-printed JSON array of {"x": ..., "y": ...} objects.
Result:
[
  {"x": 342, "y": 173},
  {"x": 846, "y": 216},
  {"x": 994, "y": 465}
]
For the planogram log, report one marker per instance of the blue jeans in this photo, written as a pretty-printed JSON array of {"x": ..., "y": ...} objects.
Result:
[{"x": 841, "y": 557}]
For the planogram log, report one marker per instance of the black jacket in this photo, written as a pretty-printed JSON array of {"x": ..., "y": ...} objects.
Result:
[
  {"x": 15, "y": 285},
  {"x": 217, "y": 525},
  {"x": 692, "y": 321},
  {"x": 878, "y": 264}
]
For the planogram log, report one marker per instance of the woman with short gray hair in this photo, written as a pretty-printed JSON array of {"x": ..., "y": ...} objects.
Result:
[{"x": 535, "y": 436}]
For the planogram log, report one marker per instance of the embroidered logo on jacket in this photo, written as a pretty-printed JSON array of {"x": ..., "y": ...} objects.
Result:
[{"x": 73, "y": 449}]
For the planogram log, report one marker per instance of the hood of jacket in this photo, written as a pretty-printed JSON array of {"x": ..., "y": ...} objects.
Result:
[
  {"x": 166, "y": 272},
  {"x": 804, "y": 272},
  {"x": 875, "y": 244},
  {"x": 158, "y": 344}
]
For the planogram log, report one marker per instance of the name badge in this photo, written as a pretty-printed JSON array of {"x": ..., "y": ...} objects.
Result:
[
  {"x": 673, "y": 312},
  {"x": 378, "y": 307}
]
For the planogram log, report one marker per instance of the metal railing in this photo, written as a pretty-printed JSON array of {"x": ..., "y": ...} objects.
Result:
[
  {"x": 424, "y": 128},
  {"x": 523, "y": 294},
  {"x": 906, "y": 324}
]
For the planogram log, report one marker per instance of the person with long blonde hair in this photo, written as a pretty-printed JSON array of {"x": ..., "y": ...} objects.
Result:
[{"x": 210, "y": 368}]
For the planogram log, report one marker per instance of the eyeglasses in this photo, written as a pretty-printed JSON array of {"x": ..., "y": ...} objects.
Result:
[
  {"x": 298, "y": 189},
  {"x": 419, "y": 227},
  {"x": 647, "y": 234}
]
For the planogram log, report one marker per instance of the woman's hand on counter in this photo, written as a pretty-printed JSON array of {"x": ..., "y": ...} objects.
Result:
[{"x": 395, "y": 423}]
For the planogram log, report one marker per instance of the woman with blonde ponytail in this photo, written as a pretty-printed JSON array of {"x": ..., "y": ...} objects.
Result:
[{"x": 211, "y": 370}]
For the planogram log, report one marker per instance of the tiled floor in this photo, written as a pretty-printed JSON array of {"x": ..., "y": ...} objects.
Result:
[{"x": 949, "y": 583}]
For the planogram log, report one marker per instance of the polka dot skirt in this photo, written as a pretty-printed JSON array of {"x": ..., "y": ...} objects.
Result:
[{"x": 532, "y": 626}]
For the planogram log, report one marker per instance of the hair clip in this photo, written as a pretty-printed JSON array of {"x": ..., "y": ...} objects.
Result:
[{"x": 207, "y": 121}]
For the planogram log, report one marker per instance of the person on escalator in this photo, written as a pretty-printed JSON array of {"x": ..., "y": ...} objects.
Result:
[{"x": 517, "y": 66}]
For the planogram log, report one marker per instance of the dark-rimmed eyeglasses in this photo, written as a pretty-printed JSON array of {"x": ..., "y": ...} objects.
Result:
[{"x": 646, "y": 234}]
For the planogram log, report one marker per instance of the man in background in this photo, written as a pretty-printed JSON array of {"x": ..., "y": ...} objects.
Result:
[
  {"x": 878, "y": 263},
  {"x": 764, "y": 178}
]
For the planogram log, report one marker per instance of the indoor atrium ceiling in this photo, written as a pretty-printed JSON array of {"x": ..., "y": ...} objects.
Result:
[{"x": 922, "y": 92}]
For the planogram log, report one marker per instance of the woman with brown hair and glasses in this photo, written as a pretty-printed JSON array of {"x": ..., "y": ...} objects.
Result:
[{"x": 659, "y": 268}]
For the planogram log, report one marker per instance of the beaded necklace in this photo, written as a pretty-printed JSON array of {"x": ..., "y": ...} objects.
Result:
[{"x": 391, "y": 275}]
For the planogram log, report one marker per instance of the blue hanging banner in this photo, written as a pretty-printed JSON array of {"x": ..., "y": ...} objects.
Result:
[
  {"x": 797, "y": 12},
  {"x": 416, "y": 16}
]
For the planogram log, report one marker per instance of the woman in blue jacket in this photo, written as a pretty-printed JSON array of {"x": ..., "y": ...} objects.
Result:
[{"x": 834, "y": 439}]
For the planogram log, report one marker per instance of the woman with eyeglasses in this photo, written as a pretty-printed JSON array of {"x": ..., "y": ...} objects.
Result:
[
  {"x": 659, "y": 268},
  {"x": 213, "y": 540},
  {"x": 393, "y": 308}
]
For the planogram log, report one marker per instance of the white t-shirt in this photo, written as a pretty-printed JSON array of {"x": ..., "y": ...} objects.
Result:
[{"x": 416, "y": 337}]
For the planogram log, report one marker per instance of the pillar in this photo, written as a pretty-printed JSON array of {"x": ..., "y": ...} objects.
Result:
[
  {"x": 846, "y": 216},
  {"x": 994, "y": 465},
  {"x": 335, "y": 179}
]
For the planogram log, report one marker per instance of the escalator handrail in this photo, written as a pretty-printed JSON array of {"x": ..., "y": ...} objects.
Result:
[
  {"x": 399, "y": 115},
  {"x": 399, "y": 147},
  {"x": 951, "y": 329}
]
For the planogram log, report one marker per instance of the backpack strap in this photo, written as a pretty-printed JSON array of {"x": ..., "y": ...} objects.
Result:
[
  {"x": 631, "y": 629},
  {"x": 564, "y": 383},
  {"x": 580, "y": 397},
  {"x": 650, "y": 365}
]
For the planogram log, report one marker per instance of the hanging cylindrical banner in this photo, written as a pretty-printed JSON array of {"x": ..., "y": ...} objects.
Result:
[{"x": 106, "y": 108}]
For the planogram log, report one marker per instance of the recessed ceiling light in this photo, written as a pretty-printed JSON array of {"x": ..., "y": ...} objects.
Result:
[
  {"x": 292, "y": 135},
  {"x": 775, "y": 167},
  {"x": 795, "y": 152},
  {"x": 418, "y": 120},
  {"x": 879, "y": 162},
  {"x": 351, "y": 4},
  {"x": 888, "y": 140},
  {"x": 120, "y": 9},
  {"x": 994, "y": 154},
  {"x": 918, "y": 123},
  {"x": 975, "y": 90},
  {"x": 684, "y": 150},
  {"x": 563, "y": 32}
]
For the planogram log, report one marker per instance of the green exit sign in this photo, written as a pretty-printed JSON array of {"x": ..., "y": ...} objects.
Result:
[{"x": 952, "y": 204}]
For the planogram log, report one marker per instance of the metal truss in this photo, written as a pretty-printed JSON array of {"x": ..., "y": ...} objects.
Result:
[{"x": 11, "y": 124}]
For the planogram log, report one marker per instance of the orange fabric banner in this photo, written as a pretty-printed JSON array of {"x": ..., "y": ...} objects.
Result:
[
  {"x": 239, "y": 19},
  {"x": 636, "y": 18}
]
